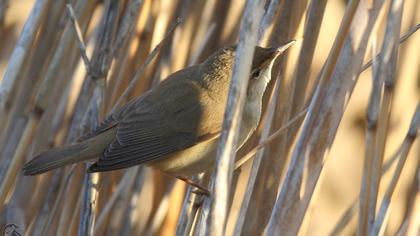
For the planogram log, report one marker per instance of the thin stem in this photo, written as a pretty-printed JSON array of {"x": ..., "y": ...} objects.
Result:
[
  {"x": 140, "y": 71},
  {"x": 79, "y": 35}
]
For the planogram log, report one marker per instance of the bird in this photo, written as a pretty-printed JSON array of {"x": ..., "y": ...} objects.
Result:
[{"x": 173, "y": 127}]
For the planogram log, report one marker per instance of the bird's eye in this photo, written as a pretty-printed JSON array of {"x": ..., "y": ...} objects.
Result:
[{"x": 256, "y": 74}]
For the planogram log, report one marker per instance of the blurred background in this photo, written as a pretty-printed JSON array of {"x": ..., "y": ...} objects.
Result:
[{"x": 49, "y": 96}]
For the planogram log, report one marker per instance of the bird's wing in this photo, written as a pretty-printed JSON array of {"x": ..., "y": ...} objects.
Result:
[{"x": 153, "y": 127}]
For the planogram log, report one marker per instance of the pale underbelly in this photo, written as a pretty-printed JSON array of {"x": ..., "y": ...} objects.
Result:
[{"x": 190, "y": 161}]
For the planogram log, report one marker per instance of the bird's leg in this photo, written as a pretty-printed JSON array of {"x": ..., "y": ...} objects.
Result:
[{"x": 201, "y": 190}]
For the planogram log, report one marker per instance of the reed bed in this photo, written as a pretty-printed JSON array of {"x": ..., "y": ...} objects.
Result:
[{"x": 336, "y": 151}]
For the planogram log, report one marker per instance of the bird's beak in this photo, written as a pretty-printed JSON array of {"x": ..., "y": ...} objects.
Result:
[{"x": 284, "y": 47}]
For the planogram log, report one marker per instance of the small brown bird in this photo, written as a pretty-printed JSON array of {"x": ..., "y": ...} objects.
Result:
[{"x": 173, "y": 127}]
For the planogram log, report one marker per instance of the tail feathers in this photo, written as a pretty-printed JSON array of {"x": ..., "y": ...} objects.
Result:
[
  {"x": 70, "y": 154},
  {"x": 56, "y": 158}
]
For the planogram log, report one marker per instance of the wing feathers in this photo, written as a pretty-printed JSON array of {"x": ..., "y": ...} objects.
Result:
[{"x": 153, "y": 127}]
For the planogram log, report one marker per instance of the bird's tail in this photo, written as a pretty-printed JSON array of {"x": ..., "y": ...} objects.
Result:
[{"x": 70, "y": 154}]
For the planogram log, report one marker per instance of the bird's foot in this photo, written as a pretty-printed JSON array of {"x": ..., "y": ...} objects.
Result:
[{"x": 200, "y": 189}]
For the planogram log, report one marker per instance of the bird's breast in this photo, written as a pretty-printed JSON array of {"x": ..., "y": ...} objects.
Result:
[{"x": 250, "y": 119}]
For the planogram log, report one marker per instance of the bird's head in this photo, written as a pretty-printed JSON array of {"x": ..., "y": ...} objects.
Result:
[{"x": 219, "y": 66}]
